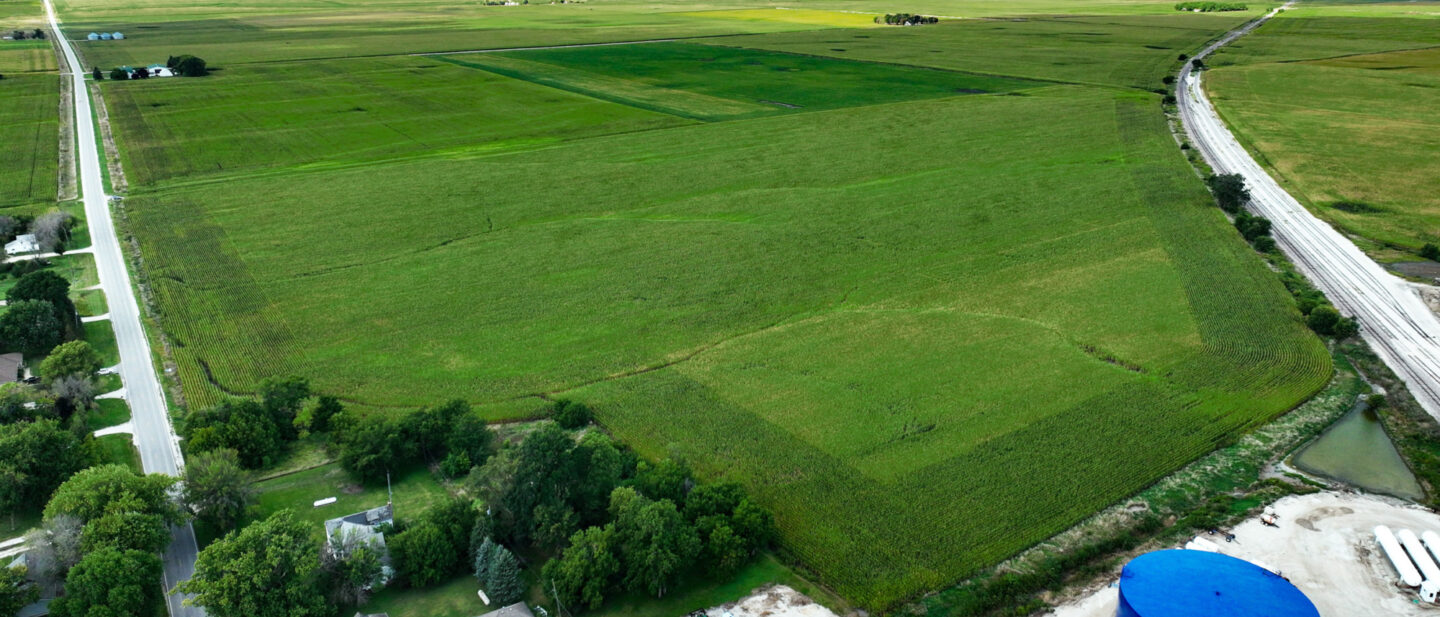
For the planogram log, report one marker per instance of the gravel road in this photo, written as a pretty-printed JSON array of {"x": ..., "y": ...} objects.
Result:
[{"x": 1403, "y": 331}]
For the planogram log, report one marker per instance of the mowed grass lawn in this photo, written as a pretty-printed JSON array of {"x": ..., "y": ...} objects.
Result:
[
  {"x": 712, "y": 83},
  {"x": 1352, "y": 135},
  {"x": 927, "y": 334},
  {"x": 29, "y": 116},
  {"x": 263, "y": 116}
]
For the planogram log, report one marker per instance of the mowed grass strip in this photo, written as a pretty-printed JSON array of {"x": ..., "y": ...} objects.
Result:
[
  {"x": 923, "y": 349},
  {"x": 335, "y": 113},
  {"x": 715, "y": 83},
  {"x": 1134, "y": 51},
  {"x": 29, "y": 117}
]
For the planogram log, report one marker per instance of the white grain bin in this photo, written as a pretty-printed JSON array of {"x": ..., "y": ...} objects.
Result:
[
  {"x": 1432, "y": 542},
  {"x": 1409, "y": 576},
  {"x": 1428, "y": 570}
]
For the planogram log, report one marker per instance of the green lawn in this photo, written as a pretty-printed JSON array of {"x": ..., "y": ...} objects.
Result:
[
  {"x": 414, "y": 493},
  {"x": 108, "y": 412},
  {"x": 90, "y": 303},
  {"x": 1351, "y": 136},
  {"x": 102, "y": 337},
  {"x": 118, "y": 449}
]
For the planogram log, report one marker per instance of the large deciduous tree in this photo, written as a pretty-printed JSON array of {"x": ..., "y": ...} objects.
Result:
[
  {"x": 111, "y": 583},
  {"x": 105, "y": 489},
  {"x": 216, "y": 489},
  {"x": 35, "y": 457},
  {"x": 31, "y": 326},
  {"x": 584, "y": 572},
  {"x": 268, "y": 569},
  {"x": 75, "y": 358}
]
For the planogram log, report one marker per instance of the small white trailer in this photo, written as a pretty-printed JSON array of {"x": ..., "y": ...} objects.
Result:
[{"x": 1409, "y": 576}]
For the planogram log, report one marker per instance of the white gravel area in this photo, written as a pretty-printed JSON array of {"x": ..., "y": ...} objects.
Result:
[
  {"x": 1326, "y": 546},
  {"x": 772, "y": 601}
]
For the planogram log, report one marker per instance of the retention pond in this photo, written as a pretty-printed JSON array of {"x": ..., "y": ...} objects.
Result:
[{"x": 1357, "y": 451}]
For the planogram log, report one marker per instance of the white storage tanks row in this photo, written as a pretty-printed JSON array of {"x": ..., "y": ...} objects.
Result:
[{"x": 1413, "y": 558}]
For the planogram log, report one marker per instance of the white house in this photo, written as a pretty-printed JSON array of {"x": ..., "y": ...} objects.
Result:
[
  {"x": 362, "y": 528},
  {"x": 22, "y": 244}
]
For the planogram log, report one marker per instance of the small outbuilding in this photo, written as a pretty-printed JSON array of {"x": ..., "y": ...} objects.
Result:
[
  {"x": 105, "y": 36},
  {"x": 22, "y": 244},
  {"x": 160, "y": 70},
  {"x": 93, "y": 36},
  {"x": 119, "y": 36}
]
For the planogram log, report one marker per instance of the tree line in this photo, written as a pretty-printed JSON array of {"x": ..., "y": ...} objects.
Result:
[
  {"x": 559, "y": 500},
  {"x": 1320, "y": 315},
  {"x": 1210, "y": 7},
  {"x": 906, "y": 19}
]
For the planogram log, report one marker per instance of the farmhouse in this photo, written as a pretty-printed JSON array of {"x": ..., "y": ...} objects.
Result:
[
  {"x": 10, "y": 364},
  {"x": 361, "y": 528},
  {"x": 22, "y": 244}
]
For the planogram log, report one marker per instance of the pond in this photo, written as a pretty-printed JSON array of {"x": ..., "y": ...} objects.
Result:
[{"x": 1357, "y": 451}]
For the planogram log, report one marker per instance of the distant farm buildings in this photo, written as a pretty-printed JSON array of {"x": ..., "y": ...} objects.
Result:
[{"x": 105, "y": 36}]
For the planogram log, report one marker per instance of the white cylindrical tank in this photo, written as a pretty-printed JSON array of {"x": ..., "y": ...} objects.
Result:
[
  {"x": 1409, "y": 576},
  {"x": 1428, "y": 570},
  {"x": 1432, "y": 542}
]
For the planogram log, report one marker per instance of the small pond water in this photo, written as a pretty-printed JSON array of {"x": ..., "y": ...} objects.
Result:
[{"x": 1357, "y": 451}]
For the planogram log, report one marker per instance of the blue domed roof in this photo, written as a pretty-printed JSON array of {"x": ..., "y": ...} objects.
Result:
[{"x": 1181, "y": 583}]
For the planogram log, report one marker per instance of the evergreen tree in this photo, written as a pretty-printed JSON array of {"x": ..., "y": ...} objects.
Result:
[{"x": 502, "y": 581}]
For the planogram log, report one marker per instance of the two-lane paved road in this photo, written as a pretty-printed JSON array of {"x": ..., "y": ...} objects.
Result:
[
  {"x": 154, "y": 436},
  {"x": 1401, "y": 329}
]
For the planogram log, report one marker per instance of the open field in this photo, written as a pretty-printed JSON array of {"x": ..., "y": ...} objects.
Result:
[
  {"x": 872, "y": 318},
  {"x": 1135, "y": 51},
  {"x": 1351, "y": 134},
  {"x": 713, "y": 83},
  {"x": 24, "y": 56},
  {"x": 334, "y": 113},
  {"x": 29, "y": 129},
  {"x": 928, "y": 327}
]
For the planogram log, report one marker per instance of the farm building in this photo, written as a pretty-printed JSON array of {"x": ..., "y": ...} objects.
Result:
[
  {"x": 105, "y": 36},
  {"x": 1189, "y": 583},
  {"x": 22, "y": 244},
  {"x": 362, "y": 528},
  {"x": 160, "y": 70},
  {"x": 119, "y": 36},
  {"x": 93, "y": 36},
  {"x": 10, "y": 367}
]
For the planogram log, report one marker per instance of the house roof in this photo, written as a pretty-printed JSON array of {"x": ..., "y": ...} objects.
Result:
[
  {"x": 10, "y": 367},
  {"x": 368, "y": 518},
  {"x": 518, "y": 609}
]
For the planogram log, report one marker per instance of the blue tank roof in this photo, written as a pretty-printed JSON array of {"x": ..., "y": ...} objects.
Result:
[{"x": 1181, "y": 583}]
